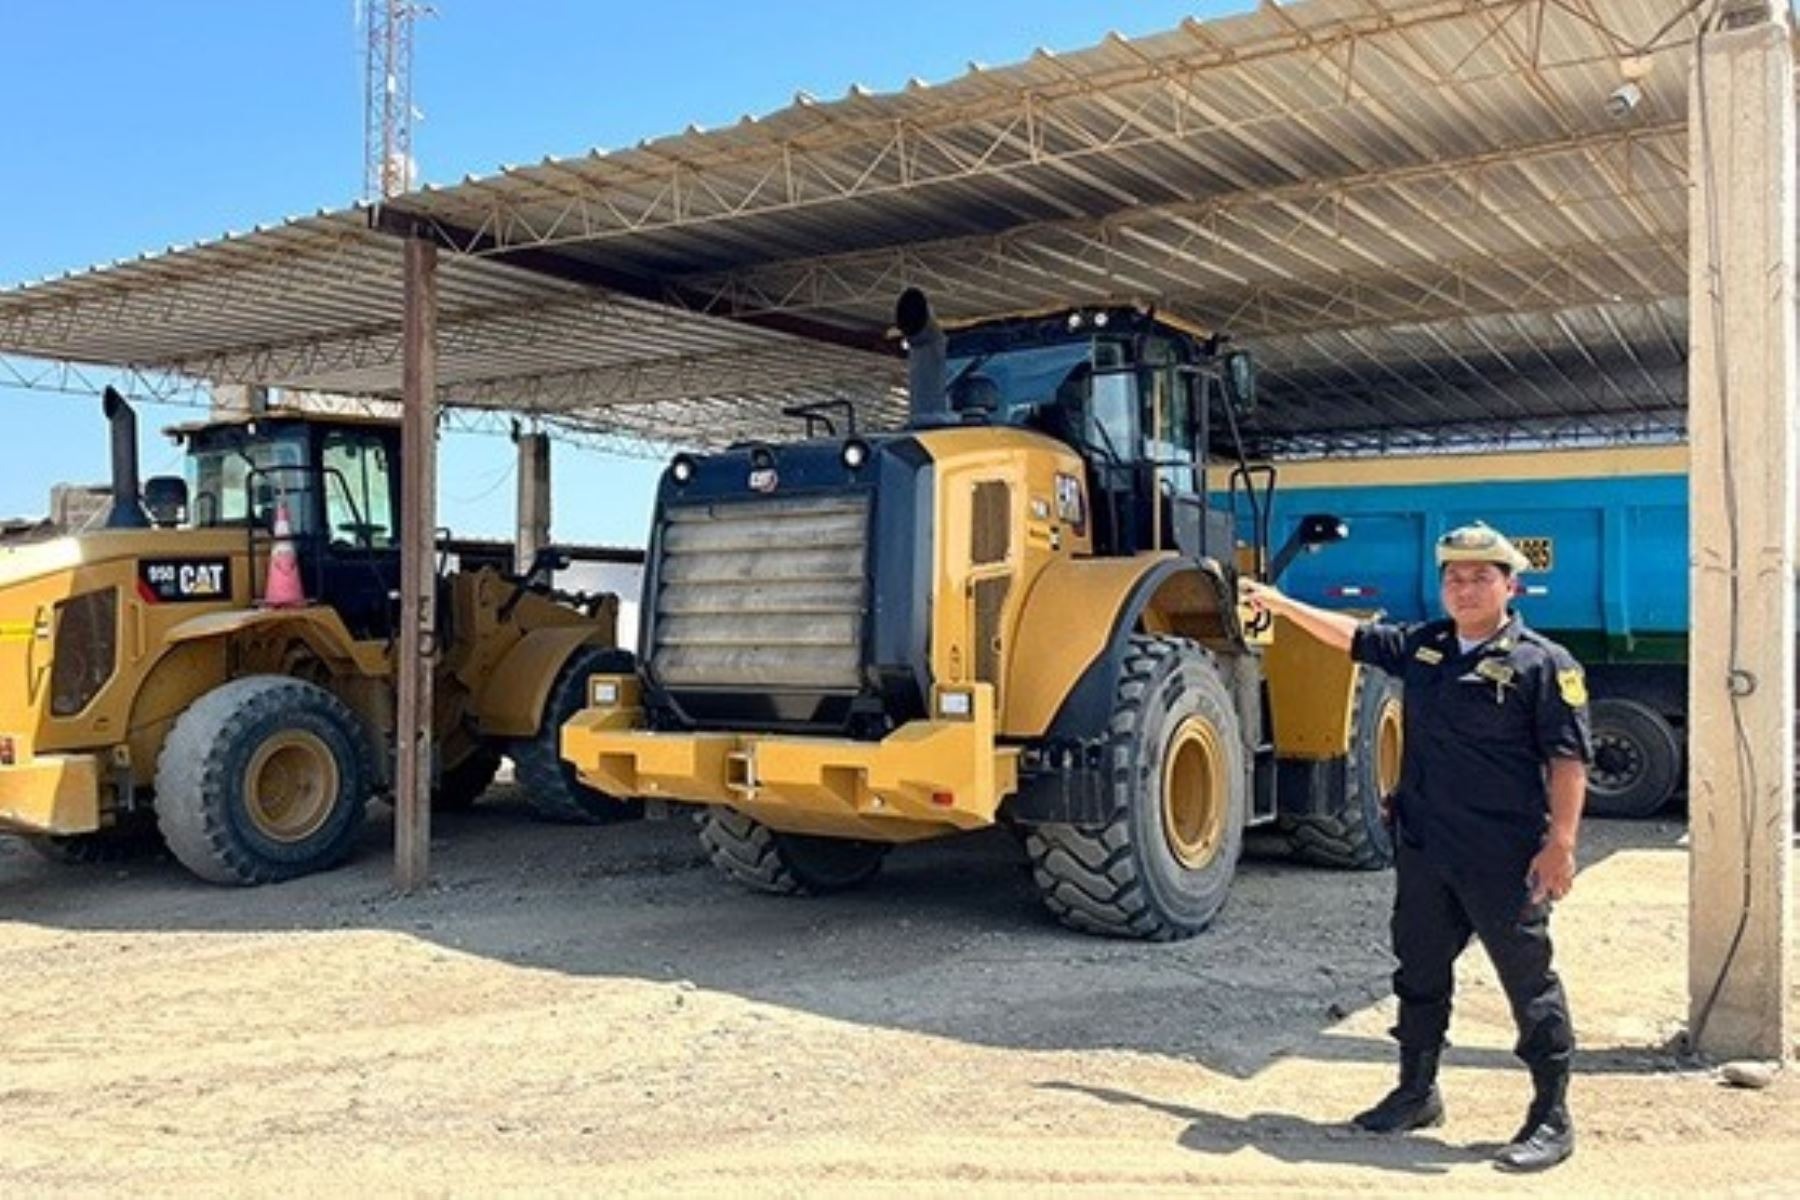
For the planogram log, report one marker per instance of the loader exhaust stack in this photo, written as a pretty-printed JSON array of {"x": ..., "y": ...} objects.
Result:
[
  {"x": 127, "y": 506},
  {"x": 928, "y": 401}
]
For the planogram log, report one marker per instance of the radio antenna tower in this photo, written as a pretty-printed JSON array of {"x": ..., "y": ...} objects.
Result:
[{"x": 387, "y": 96}]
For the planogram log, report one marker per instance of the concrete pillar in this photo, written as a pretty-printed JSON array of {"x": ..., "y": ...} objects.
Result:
[
  {"x": 534, "y": 498},
  {"x": 239, "y": 400},
  {"x": 1741, "y": 421},
  {"x": 418, "y": 569}
]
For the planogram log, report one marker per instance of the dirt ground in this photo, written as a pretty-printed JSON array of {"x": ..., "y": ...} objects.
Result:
[{"x": 593, "y": 1011}]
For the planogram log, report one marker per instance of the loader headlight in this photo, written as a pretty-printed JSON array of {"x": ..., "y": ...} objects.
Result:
[
  {"x": 682, "y": 469},
  {"x": 605, "y": 693},
  {"x": 86, "y": 650},
  {"x": 856, "y": 453}
]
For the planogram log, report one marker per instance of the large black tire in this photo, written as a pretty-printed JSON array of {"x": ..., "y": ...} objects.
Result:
[
  {"x": 1637, "y": 759},
  {"x": 263, "y": 779},
  {"x": 551, "y": 786},
  {"x": 1354, "y": 836},
  {"x": 786, "y": 864},
  {"x": 105, "y": 848},
  {"x": 461, "y": 786},
  {"x": 1160, "y": 869}
]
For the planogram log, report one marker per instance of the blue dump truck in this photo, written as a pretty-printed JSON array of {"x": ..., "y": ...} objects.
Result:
[{"x": 1607, "y": 533}]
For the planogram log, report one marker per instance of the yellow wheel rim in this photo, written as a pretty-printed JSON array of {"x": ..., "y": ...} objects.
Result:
[
  {"x": 1389, "y": 734},
  {"x": 291, "y": 786},
  {"x": 1195, "y": 788}
]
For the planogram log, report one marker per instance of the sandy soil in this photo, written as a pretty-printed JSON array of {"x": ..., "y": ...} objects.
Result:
[{"x": 586, "y": 1011}]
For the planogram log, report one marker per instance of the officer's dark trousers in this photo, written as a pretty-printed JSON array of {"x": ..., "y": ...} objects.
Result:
[{"x": 1435, "y": 912}]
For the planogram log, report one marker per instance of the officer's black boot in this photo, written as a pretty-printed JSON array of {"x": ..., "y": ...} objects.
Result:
[
  {"x": 1548, "y": 1135},
  {"x": 1415, "y": 1104}
]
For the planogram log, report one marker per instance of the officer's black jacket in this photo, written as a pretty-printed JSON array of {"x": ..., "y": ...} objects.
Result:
[{"x": 1480, "y": 731}]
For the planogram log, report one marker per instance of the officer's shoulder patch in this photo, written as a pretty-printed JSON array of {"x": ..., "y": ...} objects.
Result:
[{"x": 1572, "y": 683}]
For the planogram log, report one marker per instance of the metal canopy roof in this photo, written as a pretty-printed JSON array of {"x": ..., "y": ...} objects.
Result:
[{"x": 1419, "y": 213}]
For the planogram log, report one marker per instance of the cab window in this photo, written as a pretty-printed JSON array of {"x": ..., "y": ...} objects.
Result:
[
  {"x": 240, "y": 479},
  {"x": 359, "y": 508},
  {"x": 1172, "y": 429}
]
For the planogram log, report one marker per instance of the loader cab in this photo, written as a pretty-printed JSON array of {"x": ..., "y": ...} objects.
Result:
[
  {"x": 1146, "y": 403},
  {"x": 336, "y": 481}
]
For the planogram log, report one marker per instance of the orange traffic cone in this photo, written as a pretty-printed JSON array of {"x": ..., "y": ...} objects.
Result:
[{"x": 282, "y": 588}]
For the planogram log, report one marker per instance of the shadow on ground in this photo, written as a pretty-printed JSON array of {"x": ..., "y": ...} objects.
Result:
[
  {"x": 950, "y": 940},
  {"x": 1295, "y": 1139}
]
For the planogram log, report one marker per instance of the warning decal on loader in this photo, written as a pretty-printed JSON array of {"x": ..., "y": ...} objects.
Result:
[{"x": 184, "y": 580}]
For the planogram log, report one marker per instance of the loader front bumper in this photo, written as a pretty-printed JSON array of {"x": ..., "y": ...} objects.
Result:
[
  {"x": 926, "y": 778},
  {"x": 50, "y": 794}
]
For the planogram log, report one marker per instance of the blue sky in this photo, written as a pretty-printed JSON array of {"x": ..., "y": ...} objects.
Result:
[{"x": 131, "y": 126}]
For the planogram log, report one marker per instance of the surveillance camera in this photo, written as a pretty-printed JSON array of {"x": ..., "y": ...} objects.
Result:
[{"x": 1623, "y": 100}]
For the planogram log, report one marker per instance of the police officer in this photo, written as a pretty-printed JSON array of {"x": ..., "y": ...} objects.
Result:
[{"x": 1493, "y": 775}]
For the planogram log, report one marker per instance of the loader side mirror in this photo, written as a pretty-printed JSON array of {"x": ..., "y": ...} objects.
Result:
[
  {"x": 166, "y": 498},
  {"x": 1315, "y": 530},
  {"x": 1240, "y": 381},
  {"x": 1321, "y": 529}
]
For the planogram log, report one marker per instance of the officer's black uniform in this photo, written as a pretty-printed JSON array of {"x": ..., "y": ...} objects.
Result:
[{"x": 1471, "y": 811}]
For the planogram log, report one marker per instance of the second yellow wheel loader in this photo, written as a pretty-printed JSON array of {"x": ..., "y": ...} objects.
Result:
[{"x": 147, "y": 687}]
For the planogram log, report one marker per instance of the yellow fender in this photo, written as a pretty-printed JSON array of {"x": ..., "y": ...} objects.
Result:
[
  {"x": 1078, "y": 614},
  {"x": 1312, "y": 694},
  {"x": 512, "y": 702},
  {"x": 320, "y": 627}
]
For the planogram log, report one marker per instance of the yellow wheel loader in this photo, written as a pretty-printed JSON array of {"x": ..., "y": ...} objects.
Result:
[
  {"x": 148, "y": 686},
  {"x": 1021, "y": 609}
]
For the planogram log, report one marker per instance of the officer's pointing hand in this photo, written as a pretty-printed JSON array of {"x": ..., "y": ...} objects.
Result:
[{"x": 1260, "y": 596}]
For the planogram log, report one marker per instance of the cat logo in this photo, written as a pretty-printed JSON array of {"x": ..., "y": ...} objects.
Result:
[
  {"x": 1069, "y": 507},
  {"x": 184, "y": 580}
]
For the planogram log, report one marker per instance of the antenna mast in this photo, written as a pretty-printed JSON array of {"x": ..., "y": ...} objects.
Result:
[{"x": 387, "y": 97}]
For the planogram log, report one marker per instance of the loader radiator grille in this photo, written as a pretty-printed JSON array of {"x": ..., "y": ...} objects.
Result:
[
  {"x": 990, "y": 602},
  {"x": 87, "y": 650},
  {"x": 990, "y": 526},
  {"x": 762, "y": 594}
]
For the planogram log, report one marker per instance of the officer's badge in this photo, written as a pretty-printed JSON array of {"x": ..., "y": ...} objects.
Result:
[
  {"x": 1573, "y": 685},
  {"x": 1428, "y": 656},
  {"x": 1495, "y": 670}
]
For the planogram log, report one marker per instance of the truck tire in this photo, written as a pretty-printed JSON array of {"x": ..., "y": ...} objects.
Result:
[
  {"x": 551, "y": 785},
  {"x": 1160, "y": 869},
  {"x": 1637, "y": 759},
  {"x": 463, "y": 785},
  {"x": 263, "y": 779},
  {"x": 1355, "y": 837},
  {"x": 785, "y": 864}
]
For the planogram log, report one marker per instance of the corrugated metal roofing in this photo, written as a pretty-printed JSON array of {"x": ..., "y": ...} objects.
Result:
[{"x": 1420, "y": 214}]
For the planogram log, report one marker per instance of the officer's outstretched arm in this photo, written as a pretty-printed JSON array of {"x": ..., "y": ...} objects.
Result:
[{"x": 1335, "y": 629}]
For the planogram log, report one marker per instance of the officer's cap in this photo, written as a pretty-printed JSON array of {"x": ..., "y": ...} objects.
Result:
[{"x": 1480, "y": 543}]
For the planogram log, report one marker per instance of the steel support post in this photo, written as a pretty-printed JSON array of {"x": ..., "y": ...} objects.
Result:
[{"x": 417, "y": 649}]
